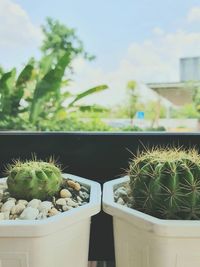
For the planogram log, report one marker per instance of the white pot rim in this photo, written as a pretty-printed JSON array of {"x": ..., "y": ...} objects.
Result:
[
  {"x": 27, "y": 228},
  {"x": 186, "y": 228}
]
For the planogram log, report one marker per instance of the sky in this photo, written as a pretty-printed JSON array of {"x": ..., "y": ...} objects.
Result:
[{"x": 132, "y": 40}]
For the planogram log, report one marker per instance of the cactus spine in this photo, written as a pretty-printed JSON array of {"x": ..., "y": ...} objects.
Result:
[
  {"x": 33, "y": 179},
  {"x": 165, "y": 183}
]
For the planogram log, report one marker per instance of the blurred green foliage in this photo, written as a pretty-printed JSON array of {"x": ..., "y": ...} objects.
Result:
[
  {"x": 60, "y": 39},
  {"x": 196, "y": 99},
  {"x": 131, "y": 128},
  {"x": 35, "y": 99},
  {"x": 188, "y": 111},
  {"x": 38, "y": 98},
  {"x": 132, "y": 99}
]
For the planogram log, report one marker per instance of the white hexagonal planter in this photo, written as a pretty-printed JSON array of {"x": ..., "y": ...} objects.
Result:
[
  {"x": 145, "y": 241},
  {"x": 58, "y": 241}
]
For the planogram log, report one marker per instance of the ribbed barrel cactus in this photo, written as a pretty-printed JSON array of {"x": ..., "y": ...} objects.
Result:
[
  {"x": 165, "y": 183},
  {"x": 33, "y": 179}
]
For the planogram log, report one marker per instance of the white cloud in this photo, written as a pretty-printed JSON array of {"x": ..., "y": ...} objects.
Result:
[
  {"x": 17, "y": 33},
  {"x": 194, "y": 14},
  {"x": 153, "y": 60}
]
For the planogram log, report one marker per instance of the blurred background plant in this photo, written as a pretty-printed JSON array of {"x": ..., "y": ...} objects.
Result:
[
  {"x": 35, "y": 98},
  {"x": 38, "y": 97}
]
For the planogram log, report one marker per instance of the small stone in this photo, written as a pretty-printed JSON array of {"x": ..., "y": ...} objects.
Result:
[
  {"x": 29, "y": 213},
  {"x": 17, "y": 209},
  {"x": 74, "y": 185},
  {"x": 71, "y": 203},
  {"x": 45, "y": 206},
  {"x": 1, "y": 216},
  {"x": 84, "y": 195},
  {"x": 22, "y": 201},
  {"x": 65, "y": 208},
  {"x": 15, "y": 216},
  {"x": 65, "y": 193},
  {"x": 77, "y": 187},
  {"x": 7, "y": 206},
  {"x": 120, "y": 192},
  {"x": 61, "y": 202},
  {"x": 1, "y": 193},
  {"x": 53, "y": 212},
  {"x": 3, "y": 186},
  {"x": 6, "y": 215},
  {"x": 34, "y": 203},
  {"x": 41, "y": 216},
  {"x": 79, "y": 199},
  {"x": 12, "y": 198},
  {"x": 83, "y": 188},
  {"x": 120, "y": 201}
]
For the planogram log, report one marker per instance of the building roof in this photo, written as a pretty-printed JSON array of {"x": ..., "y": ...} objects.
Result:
[{"x": 178, "y": 93}]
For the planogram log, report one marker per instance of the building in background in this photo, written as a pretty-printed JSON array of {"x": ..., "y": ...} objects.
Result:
[
  {"x": 190, "y": 69},
  {"x": 180, "y": 93}
]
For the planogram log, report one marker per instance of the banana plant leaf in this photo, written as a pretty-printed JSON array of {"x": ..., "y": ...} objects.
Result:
[
  {"x": 7, "y": 83},
  {"x": 50, "y": 83},
  {"x": 24, "y": 76},
  {"x": 88, "y": 92}
]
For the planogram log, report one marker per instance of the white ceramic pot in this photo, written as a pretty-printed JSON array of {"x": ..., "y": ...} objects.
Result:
[
  {"x": 145, "y": 241},
  {"x": 58, "y": 241}
]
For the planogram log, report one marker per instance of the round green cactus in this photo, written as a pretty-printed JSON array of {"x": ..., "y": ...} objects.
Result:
[
  {"x": 165, "y": 183},
  {"x": 33, "y": 179}
]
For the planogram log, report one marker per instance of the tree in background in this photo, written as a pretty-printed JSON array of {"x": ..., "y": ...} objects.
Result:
[
  {"x": 60, "y": 39},
  {"x": 132, "y": 99},
  {"x": 35, "y": 100},
  {"x": 187, "y": 111},
  {"x": 154, "y": 111},
  {"x": 196, "y": 98}
]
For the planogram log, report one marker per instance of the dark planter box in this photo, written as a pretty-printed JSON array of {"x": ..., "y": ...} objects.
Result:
[{"x": 97, "y": 156}]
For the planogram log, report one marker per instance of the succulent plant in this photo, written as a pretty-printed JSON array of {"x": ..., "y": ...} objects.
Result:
[
  {"x": 33, "y": 179},
  {"x": 165, "y": 183}
]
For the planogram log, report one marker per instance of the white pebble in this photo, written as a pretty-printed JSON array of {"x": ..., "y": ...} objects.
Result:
[
  {"x": 61, "y": 202},
  {"x": 120, "y": 201},
  {"x": 79, "y": 199},
  {"x": 65, "y": 193},
  {"x": 6, "y": 215},
  {"x": 22, "y": 201},
  {"x": 12, "y": 198},
  {"x": 83, "y": 188},
  {"x": 1, "y": 216},
  {"x": 84, "y": 195},
  {"x": 53, "y": 212},
  {"x": 7, "y": 206},
  {"x": 1, "y": 193},
  {"x": 17, "y": 209},
  {"x": 65, "y": 208},
  {"x": 71, "y": 203},
  {"x": 45, "y": 206},
  {"x": 120, "y": 192},
  {"x": 34, "y": 203},
  {"x": 3, "y": 186},
  {"x": 41, "y": 216},
  {"x": 29, "y": 213}
]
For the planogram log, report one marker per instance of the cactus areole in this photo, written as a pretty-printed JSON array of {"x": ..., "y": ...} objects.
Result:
[
  {"x": 165, "y": 183},
  {"x": 33, "y": 179}
]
